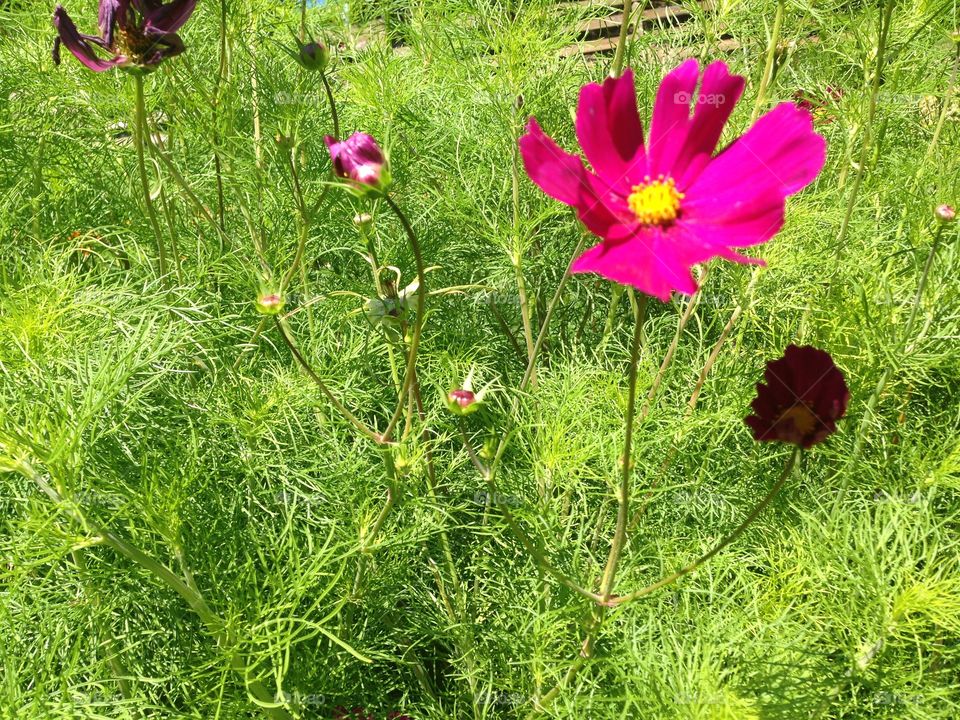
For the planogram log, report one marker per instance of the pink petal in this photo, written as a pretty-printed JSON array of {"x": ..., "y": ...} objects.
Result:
[
  {"x": 648, "y": 260},
  {"x": 719, "y": 93},
  {"x": 555, "y": 171},
  {"x": 779, "y": 154},
  {"x": 671, "y": 116},
  {"x": 563, "y": 177},
  {"x": 739, "y": 224},
  {"x": 610, "y": 132}
]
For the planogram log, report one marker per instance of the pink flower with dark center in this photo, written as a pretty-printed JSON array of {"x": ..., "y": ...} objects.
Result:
[
  {"x": 359, "y": 159},
  {"x": 665, "y": 204},
  {"x": 804, "y": 396}
]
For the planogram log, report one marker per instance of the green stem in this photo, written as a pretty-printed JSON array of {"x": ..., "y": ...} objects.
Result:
[
  {"x": 883, "y": 31},
  {"x": 418, "y": 321},
  {"x": 718, "y": 346},
  {"x": 616, "y": 294},
  {"x": 490, "y": 475},
  {"x": 222, "y": 70},
  {"x": 768, "y": 64},
  {"x": 672, "y": 349},
  {"x": 334, "y": 117},
  {"x": 371, "y": 536},
  {"x": 516, "y": 257},
  {"x": 732, "y": 537},
  {"x": 103, "y": 634},
  {"x": 139, "y": 139},
  {"x": 616, "y": 68},
  {"x": 341, "y": 408},
  {"x": 935, "y": 139},
  {"x": 888, "y": 371},
  {"x": 623, "y": 495},
  {"x": 215, "y": 624}
]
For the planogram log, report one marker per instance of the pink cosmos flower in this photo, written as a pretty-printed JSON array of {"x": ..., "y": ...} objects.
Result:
[
  {"x": 663, "y": 206},
  {"x": 360, "y": 160}
]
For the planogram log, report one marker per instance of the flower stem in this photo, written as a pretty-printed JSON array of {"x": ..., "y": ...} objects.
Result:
[
  {"x": 883, "y": 33},
  {"x": 732, "y": 537},
  {"x": 140, "y": 129},
  {"x": 623, "y": 497},
  {"x": 418, "y": 321},
  {"x": 215, "y": 624},
  {"x": 104, "y": 636},
  {"x": 341, "y": 408},
  {"x": 672, "y": 349},
  {"x": 768, "y": 64},
  {"x": 222, "y": 69},
  {"x": 616, "y": 68},
  {"x": 371, "y": 536},
  {"x": 490, "y": 476},
  {"x": 718, "y": 346},
  {"x": 334, "y": 117},
  {"x": 935, "y": 138}
]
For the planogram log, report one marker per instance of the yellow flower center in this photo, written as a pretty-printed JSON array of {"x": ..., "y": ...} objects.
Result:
[
  {"x": 655, "y": 202},
  {"x": 803, "y": 420}
]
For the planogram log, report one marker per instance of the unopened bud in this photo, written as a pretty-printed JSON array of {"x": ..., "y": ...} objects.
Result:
[
  {"x": 363, "y": 221},
  {"x": 314, "y": 56},
  {"x": 461, "y": 398},
  {"x": 945, "y": 213},
  {"x": 270, "y": 303}
]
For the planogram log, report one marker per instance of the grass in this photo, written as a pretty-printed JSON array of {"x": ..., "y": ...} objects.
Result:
[{"x": 152, "y": 408}]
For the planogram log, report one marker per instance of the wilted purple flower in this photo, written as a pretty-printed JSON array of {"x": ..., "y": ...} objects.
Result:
[
  {"x": 137, "y": 33},
  {"x": 360, "y": 160}
]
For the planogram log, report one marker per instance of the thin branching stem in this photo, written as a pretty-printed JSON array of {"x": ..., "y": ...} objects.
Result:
[
  {"x": 334, "y": 400},
  {"x": 883, "y": 33},
  {"x": 418, "y": 320},
  {"x": 732, "y": 537},
  {"x": 140, "y": 139},
  {"x": 768, "y": 66},
  {"x": 216, "y": 625},
  {"x": 902, "y": 348}
]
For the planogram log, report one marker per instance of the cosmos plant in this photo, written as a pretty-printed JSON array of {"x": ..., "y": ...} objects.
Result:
[{"x": 664, "y": 203}]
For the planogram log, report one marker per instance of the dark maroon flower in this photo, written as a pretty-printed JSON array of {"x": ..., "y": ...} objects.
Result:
[
  {"x": 804, "y": 396},
  {"x": 360, "y": 160},
  {"x": 135, "y": 33}
]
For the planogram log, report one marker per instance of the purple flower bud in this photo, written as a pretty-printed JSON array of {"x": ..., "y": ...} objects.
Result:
[
  {"x": 360, "y": 160},
  {"x": 314, "y": 56},
  {"x": 270, "y": 303},
  {"x": 945, "y": 213},
  {"x": 462, "y": 398}
]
